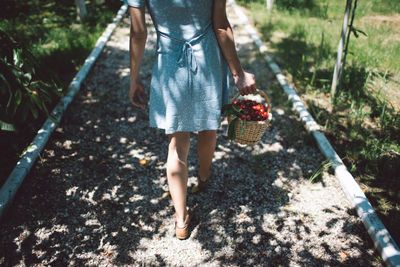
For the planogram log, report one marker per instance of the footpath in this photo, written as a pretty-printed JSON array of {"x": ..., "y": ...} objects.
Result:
[{"x": 91, "y": 199}]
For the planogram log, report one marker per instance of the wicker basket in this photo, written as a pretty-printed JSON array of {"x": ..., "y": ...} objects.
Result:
[{"x": 253, "y": 130}]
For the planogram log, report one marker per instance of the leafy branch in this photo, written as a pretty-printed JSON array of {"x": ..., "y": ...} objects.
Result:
[
  {"x": 233, "y": 110},
  {"x": 24, "y": 95}
]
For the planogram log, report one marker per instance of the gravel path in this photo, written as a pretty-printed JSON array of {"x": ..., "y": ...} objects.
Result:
[{"x": 89, "y": 202}]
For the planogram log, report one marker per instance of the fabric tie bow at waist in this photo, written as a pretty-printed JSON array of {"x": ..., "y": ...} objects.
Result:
[{"x": 186, "y": 54}]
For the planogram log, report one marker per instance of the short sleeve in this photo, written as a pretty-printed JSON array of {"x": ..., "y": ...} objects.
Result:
[{"x": 134, "y": 3}]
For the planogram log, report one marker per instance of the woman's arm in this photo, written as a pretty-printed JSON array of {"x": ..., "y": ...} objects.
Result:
[
  {"x": 137, "y": 42},
  {"x": 244, "y": 81}
]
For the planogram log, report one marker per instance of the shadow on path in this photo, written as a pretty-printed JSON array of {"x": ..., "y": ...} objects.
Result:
[{"x": 89, "y": 201}]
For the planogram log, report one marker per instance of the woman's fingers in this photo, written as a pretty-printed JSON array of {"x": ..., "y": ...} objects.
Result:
[
  {"x": 246, "y": 83},
  {"x": 249, "y": 89},
  {"x": 137, "y": 102},
  {"x": 252, "y": 85},
  {"x": 137, "y": 95},
  {"x": 143, "y": 95},
  {"x": 245, "y": 91},
  {"x": 253, "y": 88}
]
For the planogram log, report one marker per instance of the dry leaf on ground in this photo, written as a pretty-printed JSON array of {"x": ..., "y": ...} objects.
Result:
[{"x": 165, "y": 195}]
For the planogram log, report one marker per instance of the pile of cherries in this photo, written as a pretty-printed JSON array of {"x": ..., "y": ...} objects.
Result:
[{"x": 251, "y": 110}]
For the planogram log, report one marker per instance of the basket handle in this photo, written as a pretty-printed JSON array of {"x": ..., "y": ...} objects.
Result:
[{"x": 263, "y": 94}]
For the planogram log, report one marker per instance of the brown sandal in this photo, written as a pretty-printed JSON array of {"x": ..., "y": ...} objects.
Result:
[
  {"x": 183, "y": 232},
  {"x": 202, "y": 185}
]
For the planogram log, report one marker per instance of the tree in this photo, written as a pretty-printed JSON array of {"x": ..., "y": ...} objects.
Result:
[
  {"x": 270, "y": 4},
  {"x": 81, "y": 10}
]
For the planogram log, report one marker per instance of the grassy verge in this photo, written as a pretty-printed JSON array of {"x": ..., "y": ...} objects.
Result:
[
  {"x": 59, "y": 45},
  {"x": 364, "y": 124}
]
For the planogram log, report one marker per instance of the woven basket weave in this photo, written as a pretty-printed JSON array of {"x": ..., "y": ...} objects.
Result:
[{"x": 253, "y": 130}]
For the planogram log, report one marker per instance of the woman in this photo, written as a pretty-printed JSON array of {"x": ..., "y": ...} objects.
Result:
[{"x": 189, "y": 83}]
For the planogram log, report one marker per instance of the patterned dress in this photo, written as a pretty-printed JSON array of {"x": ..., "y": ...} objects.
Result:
[{"x": 190, "y": 77}]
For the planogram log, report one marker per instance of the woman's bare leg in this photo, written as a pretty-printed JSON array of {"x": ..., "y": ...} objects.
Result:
[
  {"x": 177, "y": 172},
  {"x": 205, "y": 147}
]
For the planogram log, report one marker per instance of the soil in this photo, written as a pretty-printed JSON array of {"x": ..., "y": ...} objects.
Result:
[{"x": 90, "y": 200}]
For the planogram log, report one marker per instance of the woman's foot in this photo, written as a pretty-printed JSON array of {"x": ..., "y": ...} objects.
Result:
[
  {"x": 182, "y": 227},
  {"x": 203, "y": 180}
]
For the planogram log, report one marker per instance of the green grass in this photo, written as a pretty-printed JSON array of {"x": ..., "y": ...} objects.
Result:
[
  {"x": 364, "y": 124},
  {"x": 326, "y": 17},
  {"x": 59, "y": 44},
  {"x": 49, "y": 29}
]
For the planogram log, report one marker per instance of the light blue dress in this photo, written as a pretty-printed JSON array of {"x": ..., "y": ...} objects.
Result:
[{"x": 190, "y": 79}]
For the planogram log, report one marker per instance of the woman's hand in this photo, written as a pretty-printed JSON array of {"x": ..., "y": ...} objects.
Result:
[
  {"x": 245, "y": 83},
  {"x": 137, "y": 95}
]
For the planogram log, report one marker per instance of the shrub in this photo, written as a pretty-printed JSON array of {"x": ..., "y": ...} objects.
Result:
[{"x": 24, "y": 95}]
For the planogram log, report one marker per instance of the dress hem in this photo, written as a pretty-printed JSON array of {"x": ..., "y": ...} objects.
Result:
[{"x": 184, "y": 129}]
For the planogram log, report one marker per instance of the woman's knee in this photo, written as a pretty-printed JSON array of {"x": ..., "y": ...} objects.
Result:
[{"x": 179, "y": 144}]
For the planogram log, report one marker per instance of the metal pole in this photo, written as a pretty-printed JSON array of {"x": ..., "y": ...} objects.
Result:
[
  {"x": 340, "y": 49},
  {"x": 347, "y": 45}
]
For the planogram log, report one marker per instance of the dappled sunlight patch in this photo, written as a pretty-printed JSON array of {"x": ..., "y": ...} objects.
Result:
[
  {"x": 270, "y": 149},
  {"x": 296, "y": 171},
  {"x": 132, "y": 119},
  {"x": 91, "y": 101},
  {"x": 128, "y": 166},
  {"x": 154, "y": 247},
  {"x": 123, "y": 140},
  {"x": 72, "y": 191},
  {"x": 155, "y": 201},
  {"x": 118, "y": 212},
  {"x": 123, "y": 72},
  {"x": 92, "y": 222},
  {"x": 137, "y": 153},
  {"x": 134, "y": 198}
]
